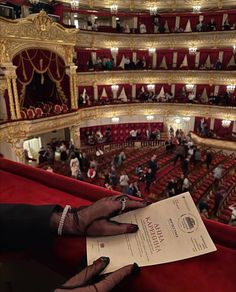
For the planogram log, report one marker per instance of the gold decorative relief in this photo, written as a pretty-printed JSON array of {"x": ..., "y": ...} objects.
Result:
[
  {"x": 157, "y": 76},
  {"x": 144, "y": 5},
  {"x": 35, "y": 31},
  {"x": 89, "y": 39},
  {"x": 25, "y": 129}
]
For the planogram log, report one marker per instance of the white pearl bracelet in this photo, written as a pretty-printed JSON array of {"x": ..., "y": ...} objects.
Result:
[{"x": 62, "y": 220}]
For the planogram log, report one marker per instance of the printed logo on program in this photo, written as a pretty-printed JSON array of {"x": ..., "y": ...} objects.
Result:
[{"x": 188, "y": 223}]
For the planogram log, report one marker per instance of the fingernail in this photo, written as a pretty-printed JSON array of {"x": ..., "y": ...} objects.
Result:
[
  {"x": 135, "y": 270},
  {"x": 132, "y": 228},
  {"x": 104, "y": 260}
]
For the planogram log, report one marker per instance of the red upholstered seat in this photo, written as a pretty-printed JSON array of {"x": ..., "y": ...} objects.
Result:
[
  {"x": 38, "y": 112},
  {"x": 213, "y": 272},
  {"x": 23, "y": 113},
  {"x": 30, "y": 113}
]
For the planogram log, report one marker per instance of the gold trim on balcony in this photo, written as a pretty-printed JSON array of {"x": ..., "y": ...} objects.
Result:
[
  {"x": 25, "y": 129},
  {"x": 144, "y": 6},
  {"x": 88, "y": 39},
  {"x": 157, "y": 76}
]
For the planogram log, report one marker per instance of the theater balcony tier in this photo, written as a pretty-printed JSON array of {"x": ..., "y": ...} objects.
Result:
[
  {"x": 139, "y": 5},
  {"x": 160, "y": 76},
  {"x": 88, "y": 39},
  {"x": 12, "y": 131}
]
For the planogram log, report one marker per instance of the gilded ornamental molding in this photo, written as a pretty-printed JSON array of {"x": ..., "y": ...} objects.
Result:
[
  {"x": 144, "y": 5},
  {"x": 35, "y": 31},
  {"x": 214, "y": 143},
  {"x": 157, "y": 76},
  {"x": 89, "y": 39},
  {"x": 14, "y": 131}
]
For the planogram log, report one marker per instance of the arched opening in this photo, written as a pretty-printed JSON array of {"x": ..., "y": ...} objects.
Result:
[{"x": 42, "y": 83}]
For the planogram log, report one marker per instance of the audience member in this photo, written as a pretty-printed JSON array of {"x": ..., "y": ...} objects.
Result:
[{"x": 124, "y": 182}]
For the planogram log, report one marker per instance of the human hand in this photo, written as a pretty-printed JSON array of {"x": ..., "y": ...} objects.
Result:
[
  {"x": 85, "y": 281},
  {"x": 95, "y": 220}
]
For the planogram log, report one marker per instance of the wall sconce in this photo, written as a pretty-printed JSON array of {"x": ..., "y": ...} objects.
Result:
[
  {"x": 230, "y": 88},
  {"x": 186, "y": 119},
  {"x": 234, "y": 49},
  {"x": 74, "y": 4},
  {"x": 114, "y": 9},
  {"x": 114, "y": 87},
  {"x": 114, "y": 50},
  {"x": 152, "y": 50},
  {"x": 192, "y": 50},
  {"x": 196, "y": 8},
  {"x": 150, "y": 118},
  {"x": 115, "y": 119},
  {"x": 189, "y": 87},
  {"x": 34, "y": 2},
  {"x": 178, "y": 121},
  {"x": 151, "y": 87},
  {"x": 226, "y": 123},
  {"x": 153, "y": 10}
]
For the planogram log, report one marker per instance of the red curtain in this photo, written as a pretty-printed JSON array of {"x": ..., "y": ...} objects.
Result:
[
  {"x": 183, "y": 21},
  {"x": 104, "y": 53},
  {"x": 170, "y": 22},
  {"x": 222, "y": 89},
  {"x": 123, "y": 52},
  {"x": 108, "y": 91},
  {"x": 217, "y": 17},
  {"x": 214, "y": 55},
  {"x": 203, "y": 57},
  {"x": 180, "y": 57},
  {"x": 191, "y": 61},
  {"x": 147, "y": 56},
  {"x": 193, "y": 21},
  {"x": 148, "y": 21},
  {"x": 83, "y": 57},
  {"x": 42, "y": 72}
]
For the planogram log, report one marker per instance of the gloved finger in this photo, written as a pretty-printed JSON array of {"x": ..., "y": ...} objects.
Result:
[
  {"x": 87, "y": 274},
  {"x": 107, "y": 208},
  {"x": 104, "y": 227},
  {"x": 115, "y": 278}
]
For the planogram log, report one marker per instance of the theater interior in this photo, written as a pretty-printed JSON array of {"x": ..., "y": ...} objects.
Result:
[{"x": 114, "y": 84}]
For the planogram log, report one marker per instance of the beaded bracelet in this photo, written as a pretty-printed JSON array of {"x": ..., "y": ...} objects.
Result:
[{"x": 62, "y": 220}]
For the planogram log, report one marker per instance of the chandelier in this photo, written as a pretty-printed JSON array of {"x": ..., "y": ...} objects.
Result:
[
  {"x": 114, "y": 9},
  {"x": 226, "y": 123},
  {"x": 74, "y": 4},
  {"x": 114, "y": 87},
  {"x": 230, "y": 88},
  {"x": 150, "y": 87},
  {"x": 152, "y": 50},
  {"x": 114, "y": 50},
  {"x": 189, "y": 87},
  {"x": 34, "y": 2},
  {"x": 150, "y": 118},
  {"x": 192, "y": 50},
  {"x": 186, "y": 119},
  {"x": 196, "y": 8},
  {"x": 115, "y": 119},
  {"x": 153, "y": 11}
]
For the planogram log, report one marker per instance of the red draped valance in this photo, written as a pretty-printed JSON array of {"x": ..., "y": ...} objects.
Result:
[{"x": 40, "y": 61}]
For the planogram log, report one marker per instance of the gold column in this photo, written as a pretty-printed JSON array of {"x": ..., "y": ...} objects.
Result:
[
  {"x": 11, "y": 99},
  {"x": 10, "y": 73},
  {"x": 75, "y": 135},
  {"x": 16, "y": 96},
  {"x": 71, "y": 72}
]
